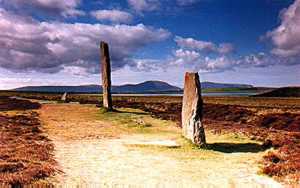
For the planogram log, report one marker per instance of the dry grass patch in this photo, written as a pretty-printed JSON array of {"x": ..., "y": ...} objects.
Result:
[
  {"x": 25, "y": 152},
  {"x": 75, "y": 121}
]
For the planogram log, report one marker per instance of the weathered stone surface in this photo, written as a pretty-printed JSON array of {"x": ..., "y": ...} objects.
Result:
[
  {"x": 192, "y": 127},
  {"x": 106, "y": 76}
]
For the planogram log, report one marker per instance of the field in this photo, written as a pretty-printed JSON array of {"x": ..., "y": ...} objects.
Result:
[{"x": 274, "y": 122}]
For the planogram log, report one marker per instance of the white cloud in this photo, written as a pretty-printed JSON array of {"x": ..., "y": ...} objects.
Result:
[
  {"x": 207, "y": 56},
  {"x": 74, "y": 70},
  {"x": 185, "y": 57},
  {"x": 286, "y": 37},
  {"x": 190, "y": 60},
  {"x": 180, "y": 58},
  {"x": 116, "y": 16},
  {"x": 146, "y": 65},
  {"x": 257, "y": 60},
  {"x": 204, "y": 56},
  {"x": 194, "y": 61},
  {"x": 53, "y": 7},
  {"x": 27, "y": 44},
  {"x": 217, "y": 64},
  {"x": 204, "y": 46},
  {"x": 144, "y": 5},
  {"x": 191, "y": 43},
  {"x": 225, "y": 48}
]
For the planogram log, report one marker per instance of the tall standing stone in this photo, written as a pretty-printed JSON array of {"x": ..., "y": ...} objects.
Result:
[
  {"x": 192, "y": 110},
  {"x": 106, "y": 76}
]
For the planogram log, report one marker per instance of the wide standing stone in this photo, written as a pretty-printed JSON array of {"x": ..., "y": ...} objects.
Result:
[
  {"x": 106, "y": 76},
  {"x": 192, "y": 106}
]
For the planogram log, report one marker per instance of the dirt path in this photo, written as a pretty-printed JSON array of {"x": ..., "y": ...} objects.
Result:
[{"x": 94, "y": 152}]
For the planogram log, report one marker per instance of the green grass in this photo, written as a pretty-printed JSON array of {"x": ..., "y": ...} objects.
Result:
[
  {"x": 138, "y": 122},
  {"x": 135, "y": 121},
  {"x": 216, "y": 147}
]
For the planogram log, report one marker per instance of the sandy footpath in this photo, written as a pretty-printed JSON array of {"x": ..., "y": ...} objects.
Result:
[{"x": 92, "y": 154}]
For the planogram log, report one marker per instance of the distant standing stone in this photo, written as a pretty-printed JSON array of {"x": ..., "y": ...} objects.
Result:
[
  {"x": 64, "y": 97},
  {"x": 192, "y": 106},
  {"x": 106, "y": 76}
]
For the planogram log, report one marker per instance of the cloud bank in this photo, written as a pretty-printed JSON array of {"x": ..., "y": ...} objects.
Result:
[
  {"x": 286, "y": 37},
  {"x": 29, "y": 45},
  {"x": 204, "y": 46},
  {"x": 52, "y": 7},
  {"x": 205, "y": 56}
]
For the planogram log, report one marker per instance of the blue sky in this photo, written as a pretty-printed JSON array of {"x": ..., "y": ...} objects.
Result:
[{"x": 53, "y": 42}]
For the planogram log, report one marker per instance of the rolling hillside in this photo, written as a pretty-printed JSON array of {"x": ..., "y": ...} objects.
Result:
[{"x": 144, "y": 87}]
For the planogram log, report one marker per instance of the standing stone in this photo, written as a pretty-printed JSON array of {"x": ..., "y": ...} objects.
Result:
[
  {"x": 192, "y": 110},
  {"x": 64, "y": 97},
  {"x": 106, "y": 76}
]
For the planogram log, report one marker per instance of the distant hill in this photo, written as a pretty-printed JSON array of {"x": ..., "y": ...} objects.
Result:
[
  {"x": 145, "y": 87},
  {"x": 148, "y": 86},
  {"x": 208, "y": 85},
  {"x": 282, "y": 92}
]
